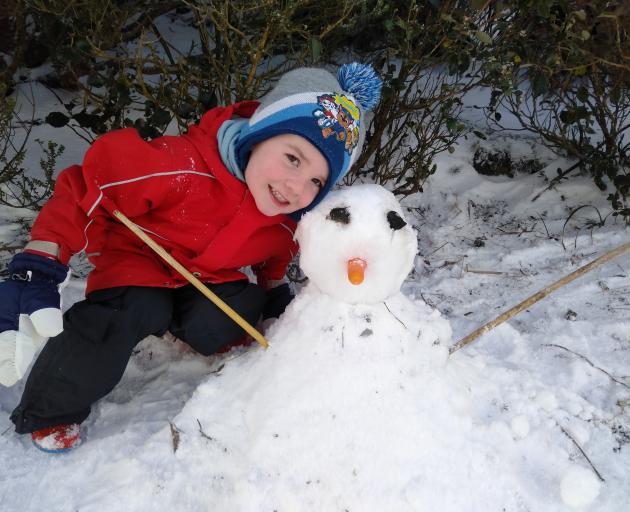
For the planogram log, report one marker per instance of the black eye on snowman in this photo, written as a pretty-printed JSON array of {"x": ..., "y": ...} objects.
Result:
[
  {"x": 340, "y": 215},
  {"x": 395, "y": 221}
]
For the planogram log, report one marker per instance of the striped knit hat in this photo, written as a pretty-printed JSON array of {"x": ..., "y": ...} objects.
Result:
[{"x": 327, "y": 111}]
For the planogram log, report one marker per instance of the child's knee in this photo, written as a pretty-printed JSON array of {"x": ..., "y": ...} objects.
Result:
[
  {"x": 124, "y": 314},
  {"x": 206, "y": 328}
]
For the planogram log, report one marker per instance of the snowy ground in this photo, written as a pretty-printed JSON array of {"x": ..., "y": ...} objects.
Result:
[{"x": 505, "y": 424}]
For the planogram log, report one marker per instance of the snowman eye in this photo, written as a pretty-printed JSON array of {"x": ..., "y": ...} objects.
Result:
[
  {"x": 395, "y": 221},
  {"x": 341, "y": 215}
]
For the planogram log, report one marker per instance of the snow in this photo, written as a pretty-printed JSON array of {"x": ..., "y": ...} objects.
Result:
[
  {"x": 579, "y": 487},
  {"x": 356, "y": 405}
]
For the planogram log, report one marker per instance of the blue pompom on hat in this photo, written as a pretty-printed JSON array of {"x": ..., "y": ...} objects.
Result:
[{"x": 327, "y": 111}]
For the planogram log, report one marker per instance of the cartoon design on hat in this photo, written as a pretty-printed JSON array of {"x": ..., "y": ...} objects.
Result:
[{"x": 338, "y": 115}]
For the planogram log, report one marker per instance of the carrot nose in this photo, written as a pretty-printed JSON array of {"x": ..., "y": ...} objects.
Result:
[{"x": 356, "y": 270}]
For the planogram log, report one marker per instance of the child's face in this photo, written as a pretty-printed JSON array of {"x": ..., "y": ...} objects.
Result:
[{"x": 285, "y": 173}]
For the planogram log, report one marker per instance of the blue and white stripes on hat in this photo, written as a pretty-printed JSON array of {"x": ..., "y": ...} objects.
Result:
[{"x": 327, "y": 111}]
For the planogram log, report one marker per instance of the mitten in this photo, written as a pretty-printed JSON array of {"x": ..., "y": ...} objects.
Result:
[
  {"x": 30, "y": 311},
  {"x": 277, "y": 300}
]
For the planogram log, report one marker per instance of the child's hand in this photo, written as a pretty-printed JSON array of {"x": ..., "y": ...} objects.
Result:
[
  {"x": 278, "y": 299},
  {"x": 30, "y": 311}
]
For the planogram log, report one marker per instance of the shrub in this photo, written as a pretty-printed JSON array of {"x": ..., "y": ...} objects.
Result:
[
  {"x": 17, "y": 187},
  {"x": 562, "y": 68}
]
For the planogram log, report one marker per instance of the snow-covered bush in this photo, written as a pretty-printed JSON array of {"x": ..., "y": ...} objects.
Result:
[
  {"x": 19, "y": 188},
  {"x": 559, "y": 66}
]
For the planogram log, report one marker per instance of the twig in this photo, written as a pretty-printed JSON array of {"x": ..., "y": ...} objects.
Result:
[
  {"x": 564, "y": 431},
  {"x": 203, "y": 434},
  {"x": 540, "y": 295},
  {"x": 549, "y": 236},
  {"x": 174, "y": 436},
  {"x": 436, "y": 250},
  {"x": 390, "y": 312},
  {"x": 588, "y": 361},
  {"x": 487, "y": 272},
  {"x": 210, "y": 438},
  {"x": 448, "y": 263},
  {"x": 218, "y": 370},
  {"x": 602, "y": 221},
  {"x": 11, "y": 247},
  {"x": 558, "y": 178}
]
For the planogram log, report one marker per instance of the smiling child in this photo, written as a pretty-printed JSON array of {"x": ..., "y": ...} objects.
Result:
[{"x": 224, "y": 196}]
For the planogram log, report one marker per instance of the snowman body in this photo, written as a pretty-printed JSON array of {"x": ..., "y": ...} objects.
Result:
[{"x": 352, "y": 406}]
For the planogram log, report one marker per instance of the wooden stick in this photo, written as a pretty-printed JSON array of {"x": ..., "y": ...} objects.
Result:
[
  {"x": 192, "y": 279},
  {"x": 540, "y": 295}
]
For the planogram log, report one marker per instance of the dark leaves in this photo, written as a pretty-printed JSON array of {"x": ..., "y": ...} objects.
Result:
[{"x": 57, "y": 119}]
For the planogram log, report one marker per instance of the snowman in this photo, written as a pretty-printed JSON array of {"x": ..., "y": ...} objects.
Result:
[{"x": 352, "y": 406}]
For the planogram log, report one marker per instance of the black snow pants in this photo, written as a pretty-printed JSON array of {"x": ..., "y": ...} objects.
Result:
[{"x": 85, "y": 362}]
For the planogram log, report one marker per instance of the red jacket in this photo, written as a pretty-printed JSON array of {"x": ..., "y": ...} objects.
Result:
[{"x": 180, "y": 193}]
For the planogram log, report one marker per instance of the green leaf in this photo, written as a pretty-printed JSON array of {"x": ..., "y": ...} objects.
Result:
[
  {"x": 574, "y": 115},
  {"x": 185, "y": 110},
  {"x": 608, "y": 14},
  {"x": 160, "y": 117},
  {"x": 82, "y": 45},
  {"x": 87, "y": 120},
  {"x": 540, "y": 84},
  {"x": 316, "y": 48},
  {"x": 615, "y": 94},
  {"x": 57, "y": 119},
  {"x": 581, "y": 15},
  {"x": 544, "y": 8},
  {"x": 484, "y": 37},
  {"x": 478, "y": 4},
  {"x": 479, "y": 134},
  {"x": 580, "y": 70},
  {"x": 95, "y": 80},
  {"x": 582, "y": 94}
]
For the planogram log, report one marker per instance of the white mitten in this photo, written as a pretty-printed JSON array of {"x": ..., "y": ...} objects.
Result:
[{"x": 18, "y": 349}]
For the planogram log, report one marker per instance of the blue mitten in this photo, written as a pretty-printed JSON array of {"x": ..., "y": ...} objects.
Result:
[{"x": 30, "y": 311}]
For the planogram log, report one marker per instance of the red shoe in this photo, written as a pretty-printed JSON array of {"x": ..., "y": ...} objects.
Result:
[
  {"x": 244, "y": 341},
  {"x": 57, "y": 439}
]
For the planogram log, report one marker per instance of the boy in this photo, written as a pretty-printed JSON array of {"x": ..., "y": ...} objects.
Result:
[{"x": 223, "y": 196}]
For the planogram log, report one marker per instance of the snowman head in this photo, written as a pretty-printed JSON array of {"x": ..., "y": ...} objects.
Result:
[{"x": 356, "y": 246}]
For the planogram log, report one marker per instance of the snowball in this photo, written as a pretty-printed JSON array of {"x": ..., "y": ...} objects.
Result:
[
  {"x": 573, "y": 407},
  {"x": 438, "y": 355},
  {"x": 579, "y": 487},
  {"x": 520, "y": 426},
  {"x": 547, "y": 400}
]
